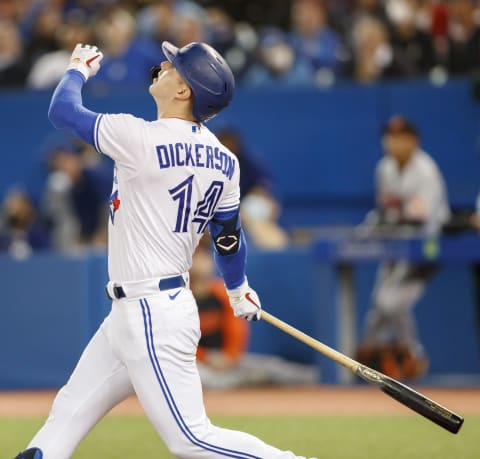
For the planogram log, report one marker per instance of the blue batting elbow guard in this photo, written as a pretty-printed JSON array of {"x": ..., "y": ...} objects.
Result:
[{"x": 230, "y": 247}]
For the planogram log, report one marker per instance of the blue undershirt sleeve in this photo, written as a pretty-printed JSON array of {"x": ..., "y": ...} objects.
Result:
[
  {"x": 66, "y": 109},
  {"x": 232, "y": 266}
]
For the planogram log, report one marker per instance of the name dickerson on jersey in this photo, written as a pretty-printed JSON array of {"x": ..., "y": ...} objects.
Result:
[{"x": 196, "y": 155}]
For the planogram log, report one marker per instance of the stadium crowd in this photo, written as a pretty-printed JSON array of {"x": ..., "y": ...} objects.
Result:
[{"x": 269, "y": 42}]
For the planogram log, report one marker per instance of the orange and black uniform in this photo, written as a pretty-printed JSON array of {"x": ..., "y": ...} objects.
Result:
[{"x": 221, "y": 330}]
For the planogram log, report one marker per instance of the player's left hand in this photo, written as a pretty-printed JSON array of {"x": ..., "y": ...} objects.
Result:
[
  {"x": 245, "y": 302},
  {"x": 85, "y": 59}
]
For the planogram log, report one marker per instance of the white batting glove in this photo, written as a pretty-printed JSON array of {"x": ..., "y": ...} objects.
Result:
[
  {"x": 85, "y": 59},
  {"x": 245, "y": 302}
]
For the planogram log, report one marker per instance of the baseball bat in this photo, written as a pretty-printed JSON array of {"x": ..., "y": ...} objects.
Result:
[{"x": 400, "y": 392}]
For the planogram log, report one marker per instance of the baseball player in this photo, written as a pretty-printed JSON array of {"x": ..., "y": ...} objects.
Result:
[
  {"x": 411, "y": 196},
  {"x": 172, "y": 180}
]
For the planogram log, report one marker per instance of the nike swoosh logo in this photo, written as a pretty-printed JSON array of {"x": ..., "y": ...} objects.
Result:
[
  {"x": 172, "y": 297},
  {"x": 89, "y": 61},
  {"x": 248, "y": 297}
]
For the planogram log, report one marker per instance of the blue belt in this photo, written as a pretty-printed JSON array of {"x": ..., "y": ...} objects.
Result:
[{"x": 167, "y": 283}]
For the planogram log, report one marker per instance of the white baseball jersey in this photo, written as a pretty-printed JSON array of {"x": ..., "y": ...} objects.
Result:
[
  {"x": 168, "y": 173},
  {"x": 419, "y": 183}
]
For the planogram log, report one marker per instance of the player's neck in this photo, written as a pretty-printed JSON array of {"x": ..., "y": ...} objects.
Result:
[
  {"x": 173, "y": 109},
  {"x": 175, "y": 114},
  {"x": 403, "y": 163}
]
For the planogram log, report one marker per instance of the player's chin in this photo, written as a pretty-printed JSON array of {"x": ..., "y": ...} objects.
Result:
[{"x": 155, "y": 87}]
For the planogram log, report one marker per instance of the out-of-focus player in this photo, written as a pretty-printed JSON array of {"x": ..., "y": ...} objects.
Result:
[
  {"x": 411, "y": 200},
  {"x": 224, "y": 361}
]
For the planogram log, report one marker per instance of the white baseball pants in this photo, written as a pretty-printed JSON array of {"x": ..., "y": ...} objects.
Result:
[{"x": 146, "y": 346}]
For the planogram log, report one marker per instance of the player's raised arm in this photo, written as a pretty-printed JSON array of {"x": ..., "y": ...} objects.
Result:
[
  {"x": 66, "y": 109},
  {"x": 230, "y": 257}
]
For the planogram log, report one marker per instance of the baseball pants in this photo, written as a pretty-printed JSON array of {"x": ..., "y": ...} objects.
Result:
[
  {"x": 147, "y": 346},
  {"x": 399, "y": 285}
]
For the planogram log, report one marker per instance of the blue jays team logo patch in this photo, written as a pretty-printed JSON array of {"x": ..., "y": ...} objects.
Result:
[{"x": 114, "y": 205}]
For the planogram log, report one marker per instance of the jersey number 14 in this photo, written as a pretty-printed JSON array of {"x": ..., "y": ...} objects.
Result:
[{"x": 205, "y": 207}]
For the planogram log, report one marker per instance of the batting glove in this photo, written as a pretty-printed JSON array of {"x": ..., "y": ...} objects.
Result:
[
  {"x": 245, "y": 302},
  {"x": 86, "y": 60}
]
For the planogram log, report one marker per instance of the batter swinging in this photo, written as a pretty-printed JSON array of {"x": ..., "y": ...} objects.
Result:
[{"x": 173, "y": 179}]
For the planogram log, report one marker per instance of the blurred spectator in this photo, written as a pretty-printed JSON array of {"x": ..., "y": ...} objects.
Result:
[
  {"x": 372, "y": 54},
  {"x": 221, "y": 29},
  {"x": 361, "y": 9},
  {"x": 463, "y": 37},
  {"x": 13, "y": 68},
  {"x": 258, "y": 13},
  {"x": 260, "y": 209},
  {"x": 128, "y": 58},
  {"x": 435, "y": 19},
  {"x": 189, "y": 24},
  {"x": 156, "y": 21},
  {"x": 182, "y": 22},
  {"x": 370, "y": 8},
  {"x": 75, "y": 200},
  {"x": 254, "y": 174},
  {"x": 411, "y": 200},
  {"x": 12, "y": 9},
  {"x": 413, "y": 53},
  {"x": 21, "y": 231},
  {"x": 277, "y": 63},
  {"x": 339, "y": 11},
  {"x": 314, "y": 40},
  {"x": 49, "y": 68},
  {"x": 41, "y": 38},
  {"x": 89, "y": 8},
  {"x": 223, "y": 360},
  {"x": 235, "y": 41}
]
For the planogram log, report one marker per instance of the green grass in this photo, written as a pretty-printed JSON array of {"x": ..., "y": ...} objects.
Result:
[{"x": 342, "y": 437}]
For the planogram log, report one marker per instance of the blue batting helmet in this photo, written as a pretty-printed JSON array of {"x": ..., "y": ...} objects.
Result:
[{"x": 207, "y": 74}]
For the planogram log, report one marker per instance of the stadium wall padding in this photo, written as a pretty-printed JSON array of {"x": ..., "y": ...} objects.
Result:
[{"x": 51, "y": 306}]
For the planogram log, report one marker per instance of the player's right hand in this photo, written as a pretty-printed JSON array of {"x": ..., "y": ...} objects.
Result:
[
  {"x": 245, "y": 302},
  {"x": 86, "y": 60}
]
